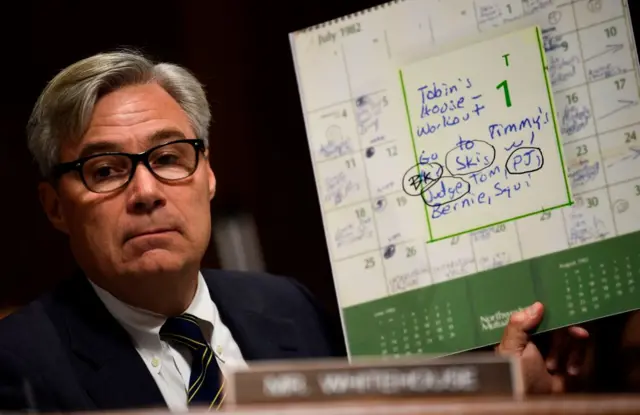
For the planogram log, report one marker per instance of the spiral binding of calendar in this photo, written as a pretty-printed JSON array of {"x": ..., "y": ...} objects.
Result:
[{"x": 350, "y": 16}]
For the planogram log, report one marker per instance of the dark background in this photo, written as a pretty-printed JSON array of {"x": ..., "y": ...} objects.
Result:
[{"x": 241, "y": 51}]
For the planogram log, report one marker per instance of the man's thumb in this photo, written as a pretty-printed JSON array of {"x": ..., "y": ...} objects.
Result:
[{"x": 515, "y": 337}]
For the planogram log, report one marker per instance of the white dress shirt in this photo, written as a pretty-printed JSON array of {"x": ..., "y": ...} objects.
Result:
[{"x": 168, "y": 363}]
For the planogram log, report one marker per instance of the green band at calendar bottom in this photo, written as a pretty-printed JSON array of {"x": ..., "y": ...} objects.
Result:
[{"x": 575, "y": 285}]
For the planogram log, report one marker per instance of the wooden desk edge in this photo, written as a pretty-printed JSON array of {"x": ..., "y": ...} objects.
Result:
[{"x": 561, "y": 404}]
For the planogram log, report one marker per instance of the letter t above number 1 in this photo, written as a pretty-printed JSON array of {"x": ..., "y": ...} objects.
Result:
[{"x": 504, "y": 84}]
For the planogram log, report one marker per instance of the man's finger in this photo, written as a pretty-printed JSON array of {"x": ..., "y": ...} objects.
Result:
[
  {"x": 515, "y": 337},
  {"x": 578, "y": 350},
  {"x": 558, "y": 384},
  {"x": 578, "y": 332},
  {"x": 555, "y": 358}
]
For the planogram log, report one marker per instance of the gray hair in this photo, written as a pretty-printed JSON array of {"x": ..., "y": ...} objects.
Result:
[{"x": 64, "y": 109}]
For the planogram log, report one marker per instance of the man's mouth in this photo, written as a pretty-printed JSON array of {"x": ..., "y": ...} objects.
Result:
[{"x": 149, "y": 232}]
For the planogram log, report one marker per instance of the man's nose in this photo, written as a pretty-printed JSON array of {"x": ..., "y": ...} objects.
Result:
[{"x": 145, "y": 192}]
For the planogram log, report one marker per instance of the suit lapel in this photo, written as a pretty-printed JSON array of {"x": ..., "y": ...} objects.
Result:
[
  {"x": 110, "y": 369},
  {"x": 260, "y": 337},
  {"x": 259, "y": 334},
  {"x": 104, "y": 357}
]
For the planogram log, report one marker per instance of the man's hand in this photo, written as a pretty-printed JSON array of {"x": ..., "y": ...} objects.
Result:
[{"x": 564, "y": 362}]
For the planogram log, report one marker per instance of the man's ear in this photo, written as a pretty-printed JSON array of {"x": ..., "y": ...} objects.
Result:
[
  {"x": 50, "y": 202},
  {"x": 211, "y": 178}
]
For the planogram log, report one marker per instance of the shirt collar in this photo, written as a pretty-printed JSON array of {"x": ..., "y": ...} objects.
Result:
[{"x": 144, "y": 325}]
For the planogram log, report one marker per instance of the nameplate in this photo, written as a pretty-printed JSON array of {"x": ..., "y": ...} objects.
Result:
[{"x": 339, "y": 380}]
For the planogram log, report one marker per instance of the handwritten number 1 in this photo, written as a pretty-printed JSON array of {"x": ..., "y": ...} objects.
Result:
[{"x": 507, "y": 95}]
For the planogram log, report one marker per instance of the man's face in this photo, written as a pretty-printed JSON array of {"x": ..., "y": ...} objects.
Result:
[{"x": 149, "y": 228}]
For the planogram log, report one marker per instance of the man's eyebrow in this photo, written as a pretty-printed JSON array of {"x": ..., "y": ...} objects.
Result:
[
  {"x": 108, "y": 146},
  {"x": 164, "y": 134},
  {"x": 99, "y": 147}
]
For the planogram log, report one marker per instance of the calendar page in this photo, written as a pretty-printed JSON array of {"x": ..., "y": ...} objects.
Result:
[{"x": 420, "y": 265}]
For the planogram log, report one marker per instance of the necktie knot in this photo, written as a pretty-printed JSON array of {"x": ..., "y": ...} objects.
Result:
[
  {"x": 184, "y": 329},
  {"x": 204, "y": 384}
]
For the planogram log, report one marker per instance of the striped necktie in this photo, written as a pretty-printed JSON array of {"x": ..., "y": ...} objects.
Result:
[{"x": 204, "y": 384}]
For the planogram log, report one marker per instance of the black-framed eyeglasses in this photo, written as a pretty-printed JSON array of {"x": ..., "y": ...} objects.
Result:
[{"x": 107, "y": 172}]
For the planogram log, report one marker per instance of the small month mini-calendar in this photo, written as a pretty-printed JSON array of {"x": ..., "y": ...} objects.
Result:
[{"x": 472, "y": 157}]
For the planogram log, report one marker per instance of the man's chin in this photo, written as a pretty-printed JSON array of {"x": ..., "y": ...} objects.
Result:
[
  {"x": 141, "y": 245},
  {"x": 156, "y": 262}
]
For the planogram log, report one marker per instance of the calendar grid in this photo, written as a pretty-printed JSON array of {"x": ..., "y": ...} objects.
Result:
[
  {"x": 425, "y": 249},
  {"x": 328, "y": 106},
  {"x": 430, "y": 299},
  {"x": 518, "y": 234},
  {"x": 475, "y": 14},
  {"x": 433, "y": 39},
  {"x": 386, "y": 42},
  {"x": 613, "y": 130},
  {"x": 608, "y": 185},
  {"x": 630, "y": 37},
  {"x": 350, "y": 91},
  {"x": 560, "y": 91},
  {"x": 515, "y": 224},
  {"x": 573, "y": 4},
  {"x": 595, "y": 124},
  {"x": 473, "y": 254},
  {"x": 333, "y": 158}
]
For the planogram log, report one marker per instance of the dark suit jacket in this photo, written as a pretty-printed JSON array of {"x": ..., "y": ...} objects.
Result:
[{"x": 65, "y": 352}]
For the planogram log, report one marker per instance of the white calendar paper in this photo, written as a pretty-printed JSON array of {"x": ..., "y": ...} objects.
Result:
[
  {"x": 406, "y": 286},
  {"x": 484, "y": 135}
]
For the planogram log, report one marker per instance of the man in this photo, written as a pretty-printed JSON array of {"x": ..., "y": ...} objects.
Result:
[{"x": 123, "y": 145}]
